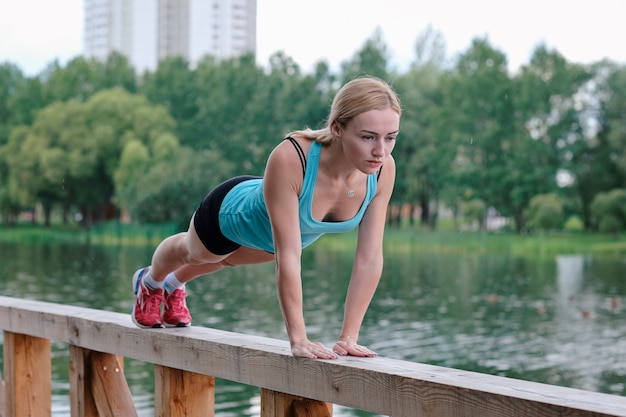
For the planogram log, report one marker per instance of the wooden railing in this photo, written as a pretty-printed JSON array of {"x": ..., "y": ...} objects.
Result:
[{"x": 188, "y": 360}]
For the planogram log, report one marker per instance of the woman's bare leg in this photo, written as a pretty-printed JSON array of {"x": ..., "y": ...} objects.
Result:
[
  {"x": 180, "y": 250},
  {"x": 242, "y": 256},
  {"x": 186, "y": 254}
]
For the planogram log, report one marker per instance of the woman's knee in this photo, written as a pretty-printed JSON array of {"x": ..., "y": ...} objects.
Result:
[{"x": 194, "y": 250}]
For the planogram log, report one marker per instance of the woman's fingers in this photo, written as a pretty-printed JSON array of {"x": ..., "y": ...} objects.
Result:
[
  {"x": 312, "y": 350},
  {"x": 344, "y": 348}
]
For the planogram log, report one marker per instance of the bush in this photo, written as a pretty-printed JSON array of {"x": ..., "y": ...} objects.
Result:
[
  {"x": 574, "y": 224},
  {"x": 545, "y": 212},
  {"x": 608, "y": 211}
]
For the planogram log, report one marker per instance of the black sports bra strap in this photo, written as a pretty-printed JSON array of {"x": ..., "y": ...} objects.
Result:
[
  {"x": 300, "y": 153},
  {"x": 303, "y": 158}
]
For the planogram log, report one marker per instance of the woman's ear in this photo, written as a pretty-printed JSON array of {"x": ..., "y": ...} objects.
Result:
[{"x": 335, "y": 129}]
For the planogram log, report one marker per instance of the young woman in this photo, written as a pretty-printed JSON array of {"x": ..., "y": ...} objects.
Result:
[{"x": 315, "y": 182}]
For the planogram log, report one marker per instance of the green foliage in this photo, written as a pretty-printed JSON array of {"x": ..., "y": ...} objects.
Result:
[
  {"x": 475, "y": 210},
  {"x": 170, "y": 190},
  {"x": 371, "y": 59},
  {"x": 614, "y": 110},
  {"x": 70, "y": 154},
  {"x": 574, "y": 224},
  {"x": 545, "y": 212},
  {"x": 423, "y": 170},
  {"x": 96, "y": 139},
  {"x": 608, "y": 211}
]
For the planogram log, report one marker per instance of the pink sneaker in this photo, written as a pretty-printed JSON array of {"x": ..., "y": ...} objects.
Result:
[
  {"x": 176, "y": 313},
  {"x": 146, "y": 311}
]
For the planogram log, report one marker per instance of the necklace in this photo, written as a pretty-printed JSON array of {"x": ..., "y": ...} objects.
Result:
[{"x": 350, "y": 191}]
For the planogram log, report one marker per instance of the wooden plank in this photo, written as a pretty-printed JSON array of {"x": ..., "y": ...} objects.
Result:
[
  {"x": 81, "y": 396},
  {"x": 110, "y": 390},
  {"x": 3, "y": 408},
  {"x": 180, "y": 393},
  {"x": 279, "y": 404},
  {"x": 28, "y": 371},
  {"x": 379, "y": 385}
]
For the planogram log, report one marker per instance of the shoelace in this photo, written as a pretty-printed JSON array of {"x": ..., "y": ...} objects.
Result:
[
  {"x": 153, "y": 303},
  {"x": 177, "y": 300}
]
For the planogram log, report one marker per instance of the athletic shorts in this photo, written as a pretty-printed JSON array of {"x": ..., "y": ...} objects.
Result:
[{"x": 206, "y": 219}]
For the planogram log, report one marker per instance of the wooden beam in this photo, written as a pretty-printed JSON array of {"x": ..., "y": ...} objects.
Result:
[
  {"x": 182, "y": 393},
  {"x": 110, "y": 391},
  {"x": 81, "y": 396},
  {"x": 379, "y": 385},
  {"x": 28, "y": 372},
  {"x": 279, "y": 404},
  {"x": 3, "y": 408}
]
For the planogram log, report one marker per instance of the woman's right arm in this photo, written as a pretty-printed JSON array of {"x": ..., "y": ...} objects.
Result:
[{"x": 282, "y": 186}]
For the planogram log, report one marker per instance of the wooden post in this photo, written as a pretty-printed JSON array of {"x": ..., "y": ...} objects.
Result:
[
  {"x": 179, "y": 393},
  {"x": 3, "y": 408},
  {"x": 110, "y": 390},
  {"x": 279, "y": 404},
  {"x": 81, "y": 397},
  {"x": 28, "y": 371}
]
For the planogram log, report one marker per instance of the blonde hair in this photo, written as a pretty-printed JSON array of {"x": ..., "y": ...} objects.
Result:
[{"x": 357, "y": 96}]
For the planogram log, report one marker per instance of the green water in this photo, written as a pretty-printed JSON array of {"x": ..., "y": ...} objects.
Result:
[{"x": 559, "y": 320}]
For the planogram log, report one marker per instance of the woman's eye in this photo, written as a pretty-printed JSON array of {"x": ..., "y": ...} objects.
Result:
[{"x": 368, "y": 137}]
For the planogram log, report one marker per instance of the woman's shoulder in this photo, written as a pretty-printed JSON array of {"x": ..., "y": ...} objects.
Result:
[
  {"x": 287, "y": 155},
  {"x": 302, "y": 140}
]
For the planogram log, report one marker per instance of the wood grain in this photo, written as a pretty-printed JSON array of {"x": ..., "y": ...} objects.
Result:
[{"x": 380, "y": 385}]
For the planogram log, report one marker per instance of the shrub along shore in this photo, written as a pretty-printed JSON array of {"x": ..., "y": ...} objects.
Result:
[{"x": 396, "y": 240}]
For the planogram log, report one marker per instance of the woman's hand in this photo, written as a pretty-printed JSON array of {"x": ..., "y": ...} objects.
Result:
[
  {"x": 347, "y": 345},
  {"x": 314, "y": 350}
]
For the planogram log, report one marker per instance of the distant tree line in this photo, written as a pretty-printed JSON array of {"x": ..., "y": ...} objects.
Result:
[{"x": 95, "y": 141}]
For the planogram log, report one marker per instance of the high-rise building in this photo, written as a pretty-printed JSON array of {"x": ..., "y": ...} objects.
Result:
[{"x": 147, "y": 31}]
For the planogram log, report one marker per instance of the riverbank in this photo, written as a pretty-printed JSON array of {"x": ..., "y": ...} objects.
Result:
[{"x": 406, "y": 239}]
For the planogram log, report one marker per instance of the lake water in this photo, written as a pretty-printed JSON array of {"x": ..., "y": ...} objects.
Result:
[{"x": 559, "y": 321}]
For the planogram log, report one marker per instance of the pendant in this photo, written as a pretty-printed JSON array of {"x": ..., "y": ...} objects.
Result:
[{"x": 351, "y": 193}]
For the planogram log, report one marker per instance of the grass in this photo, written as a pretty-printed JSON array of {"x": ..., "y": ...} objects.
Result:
[
  {"x": 530, "y": 245},
  {"x": 404, "y": 239},
  {"x": 110, "y": 233}
]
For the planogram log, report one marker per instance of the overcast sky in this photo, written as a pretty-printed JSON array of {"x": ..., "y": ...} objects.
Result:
[{"x": 34, "y": 33}]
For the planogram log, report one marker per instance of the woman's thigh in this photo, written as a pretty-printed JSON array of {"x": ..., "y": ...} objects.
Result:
[
  {"x": 247, "y": 256},
  {"x": 197, "y": 251}
]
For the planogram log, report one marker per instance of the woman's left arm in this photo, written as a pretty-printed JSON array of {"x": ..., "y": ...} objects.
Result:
[{"x": 368, "y": 265}]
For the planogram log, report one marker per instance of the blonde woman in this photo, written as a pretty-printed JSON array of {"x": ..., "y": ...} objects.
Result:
[{"x": 330, "y": 180}]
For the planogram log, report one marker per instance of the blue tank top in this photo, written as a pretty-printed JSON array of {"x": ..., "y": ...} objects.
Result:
[{"x": 243, "y": 215}]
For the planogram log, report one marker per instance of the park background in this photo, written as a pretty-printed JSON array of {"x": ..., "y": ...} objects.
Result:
[
  {"x": 544, "y": 148},
  {"x": 97, "y": 164}
]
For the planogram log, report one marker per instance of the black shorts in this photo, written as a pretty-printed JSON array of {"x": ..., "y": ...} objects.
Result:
[{"x": 206, "y": 219}]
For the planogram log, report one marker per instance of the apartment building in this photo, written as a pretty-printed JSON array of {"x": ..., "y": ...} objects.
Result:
[{"x": 147, "y": 31}]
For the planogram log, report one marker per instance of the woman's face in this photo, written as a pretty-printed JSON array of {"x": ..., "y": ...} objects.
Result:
[{"x": 369, "y": 138}]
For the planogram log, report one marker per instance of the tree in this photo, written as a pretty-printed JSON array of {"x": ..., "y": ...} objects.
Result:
[
  {"x": 226, "y": 92},
  {"x": 476, "y": 211},
  {"x": 430, "y": 48},
  {"x": 30, "y": 96},
  {"x": 70, "y": 154},
  {"x": 173, "y": 85},
  {"x": 10, "y": 77},
  {"x": 608, "y": 211},
  {"x": 372, "y": 59},
  {"x": 597, "y": 160},
  {"x": 476, "y": 119},
  {"x": 545, "y": 212},
  {"x": 614, "y": 122},
  {"x": 546, "y": 121},
  {"x": 424, "y": 158},
  {"x": 170, "y": 190}
]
